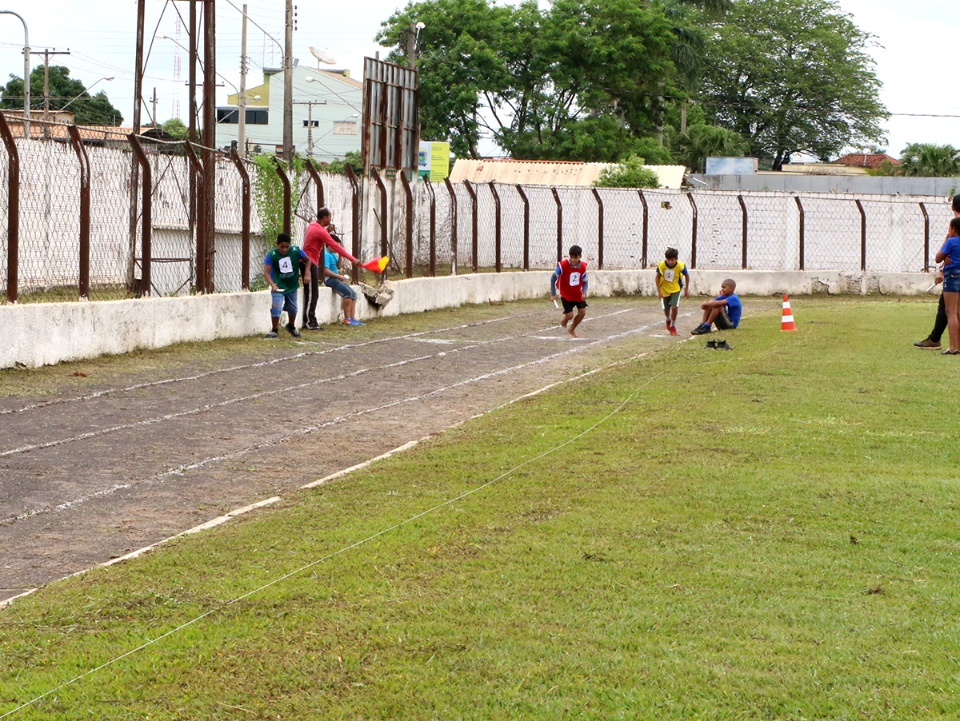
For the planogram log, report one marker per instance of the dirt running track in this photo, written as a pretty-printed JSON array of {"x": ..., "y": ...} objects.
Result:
[{"x": 90, "y": 475}]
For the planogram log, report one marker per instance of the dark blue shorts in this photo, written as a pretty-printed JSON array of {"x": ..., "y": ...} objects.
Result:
[{"x": 951, "y": 281}]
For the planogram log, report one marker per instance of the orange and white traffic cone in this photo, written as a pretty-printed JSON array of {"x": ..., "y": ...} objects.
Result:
[{"x": 787, "y": 321}]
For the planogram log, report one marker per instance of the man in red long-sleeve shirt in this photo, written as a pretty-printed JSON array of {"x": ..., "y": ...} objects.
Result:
[{"x": 316, "y": 237}]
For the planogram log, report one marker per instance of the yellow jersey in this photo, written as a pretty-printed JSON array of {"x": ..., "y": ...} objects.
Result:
[{"x": 670, "y": 277}]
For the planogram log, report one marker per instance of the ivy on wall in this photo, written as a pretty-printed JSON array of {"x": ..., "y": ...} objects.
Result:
[{"x": 268, "y": 195}]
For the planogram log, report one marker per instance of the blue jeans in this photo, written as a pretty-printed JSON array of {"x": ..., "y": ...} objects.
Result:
[
  {"x": 340, "y": 288},
  {"x": 284, "y": 301}
]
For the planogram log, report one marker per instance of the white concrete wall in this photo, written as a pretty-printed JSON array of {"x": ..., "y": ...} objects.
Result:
[{"x": 48, "y": 333}]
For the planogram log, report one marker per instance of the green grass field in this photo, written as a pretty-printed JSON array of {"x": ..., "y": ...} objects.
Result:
[{"x": 768, "y": 533}]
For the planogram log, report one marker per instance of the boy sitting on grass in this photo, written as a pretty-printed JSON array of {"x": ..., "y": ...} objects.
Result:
[{"x": 724, "y": 310}]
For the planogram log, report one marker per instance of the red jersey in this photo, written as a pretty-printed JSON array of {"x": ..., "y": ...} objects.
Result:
[
  {"x": 315, "y": 238},
  {"x": 572, "y": 280}
]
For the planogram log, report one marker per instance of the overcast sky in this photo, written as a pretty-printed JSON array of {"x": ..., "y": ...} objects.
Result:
[{"x": 916, "y": 57}]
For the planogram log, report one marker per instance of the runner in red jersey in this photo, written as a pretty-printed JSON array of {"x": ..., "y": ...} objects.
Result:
[{"x": 570, "y": 280}]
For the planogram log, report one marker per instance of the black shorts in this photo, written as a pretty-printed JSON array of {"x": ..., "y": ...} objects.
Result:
[
  {"x": 723, "y": 321},
  {"x": 569, "y": 305}
]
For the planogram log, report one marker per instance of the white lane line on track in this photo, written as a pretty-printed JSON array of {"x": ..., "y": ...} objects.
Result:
[
  {"x": 329, "y": 556},
  {"x": 289, "y": 435},
  {"x": 273, "y": 361},
  {"x": 233, "y": 401}
]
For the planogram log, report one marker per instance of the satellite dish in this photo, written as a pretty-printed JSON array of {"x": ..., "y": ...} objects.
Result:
[{"x": 321, "y": 56}]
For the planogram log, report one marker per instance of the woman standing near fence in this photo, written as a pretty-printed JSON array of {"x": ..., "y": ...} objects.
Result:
[
  {"x": 932, "y": 341},
  {"x": 949, "y": 255}
]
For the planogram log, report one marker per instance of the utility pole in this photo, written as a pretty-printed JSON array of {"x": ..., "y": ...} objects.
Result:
[
  {"x": 288, "y": 85},
  {"x": 413, "y": 32},
  {"x": 412, "y": 46},
  {"x": 242, "y": 100},
  {"x": 135, "y": 167},
  {"x": 26, "y": 72},
  {"x": 310, "y": 104},
  {"x": 192, "y": 77},
  {"x": 209, "y": 139},
  {"x": 153, "y": 101},
  {"x": 46, "y": 86}
]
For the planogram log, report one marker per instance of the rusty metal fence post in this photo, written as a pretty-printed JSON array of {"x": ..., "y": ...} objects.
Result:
[
  {"x": 453, "y": 225},
  {"x": 244, "y": 219},
  {"x": 146, "y": 220},
  {"x": 433, "y": 229},
  {"x": 526, "y": 227},
  {"x": 645, "y": 230},
  {"x": 863, "y": 235},
  {"x": 287, "y": 195},
  {"x": 84, "y": 162},
  {"x": 693, "y": 231},
  {"x": 596, "y": 194},
  {"x": 926, "y": 237},
  {"x": 13, "y": 211},
  {"x": 473, "y": 226},
  {"x": 802, "y": 230},
  {"x": 383, "y": 212},
  {"x": 201, "y": 220},
  {"x": 498, "y": 246},
  {"x": 743, "y": 232},
  {"x": 556, "y": 199},
  {"x": 354, "y": 219},
  {"x": 408, "y": 193},
  {"x": 315, "y": 176}
]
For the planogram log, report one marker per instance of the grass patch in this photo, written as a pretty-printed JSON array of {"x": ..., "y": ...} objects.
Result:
[{"x": 769, "y": 533}]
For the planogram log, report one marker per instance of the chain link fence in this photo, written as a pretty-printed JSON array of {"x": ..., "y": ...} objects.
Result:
[{"x": 75, "y": 222}]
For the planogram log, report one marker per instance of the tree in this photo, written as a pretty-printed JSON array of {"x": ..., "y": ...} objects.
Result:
[
  {"x": 705, "y": 141},
  {"x": 924, "y": 160},
  {"x": 339, "y": 166},
  {"x": 176, "y": 129},
  {"x": 581, "y": 80},
  {"x": 64, "y": 90},
  {"x": 458, "y": 62},
  {"x": 792, "y": 76},
  {"x": 628, "y": 174}
]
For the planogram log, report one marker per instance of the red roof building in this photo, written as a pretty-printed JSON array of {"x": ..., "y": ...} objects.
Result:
[{"x": 866, "y": 160}]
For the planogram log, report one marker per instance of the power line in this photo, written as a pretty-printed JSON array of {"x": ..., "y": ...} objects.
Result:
[{"x": 924, "y": 115}]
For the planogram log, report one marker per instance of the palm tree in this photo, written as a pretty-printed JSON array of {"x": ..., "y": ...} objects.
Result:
[
  {"x": 925, "y": 160},
  {"x": 703, "y": 141}
]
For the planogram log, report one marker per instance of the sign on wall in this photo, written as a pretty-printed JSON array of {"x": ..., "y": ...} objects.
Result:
[{"x": 434, "y": 161}]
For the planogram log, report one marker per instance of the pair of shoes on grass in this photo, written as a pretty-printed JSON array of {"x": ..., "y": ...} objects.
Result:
[
  {"x": 292, "y": 330},
  {"x": 700, "y": 329},
  {"x": 352, "y": 321},
  {"x": 927, "y": 344},
  {"x": 313, "y": 325}
]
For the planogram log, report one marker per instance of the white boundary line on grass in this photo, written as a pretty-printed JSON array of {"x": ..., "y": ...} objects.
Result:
[{"x": 349, "y": 547}]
